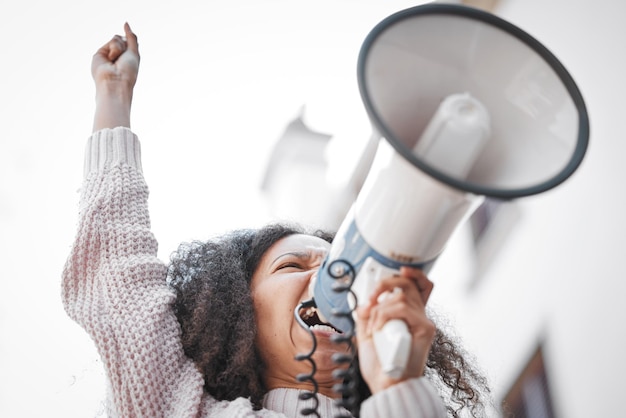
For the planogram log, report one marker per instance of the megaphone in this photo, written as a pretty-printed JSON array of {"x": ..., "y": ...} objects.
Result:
[{"x": 468, "y": 106}]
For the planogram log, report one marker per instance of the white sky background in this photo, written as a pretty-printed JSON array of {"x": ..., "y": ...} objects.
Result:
[{"x": 218, "y": 82}]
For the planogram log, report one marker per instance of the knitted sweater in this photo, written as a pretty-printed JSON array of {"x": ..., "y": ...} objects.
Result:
[{"x": 114, "y": 286}]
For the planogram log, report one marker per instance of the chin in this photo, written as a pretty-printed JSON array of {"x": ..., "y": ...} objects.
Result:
[
  {"x": 324, "y": 333},
  {"x": 325, "y": 364}
]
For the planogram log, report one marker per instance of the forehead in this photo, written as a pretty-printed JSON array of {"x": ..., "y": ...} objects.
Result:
[{"x": 298, "y": 243}]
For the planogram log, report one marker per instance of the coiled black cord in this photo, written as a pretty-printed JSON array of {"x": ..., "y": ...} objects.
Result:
[
  {"x": 344, "y": 274},
  {"x": 308, "y": 377}
]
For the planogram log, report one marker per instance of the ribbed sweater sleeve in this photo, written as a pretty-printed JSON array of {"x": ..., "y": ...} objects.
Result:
[
  {"x": 415, "y": 398},
  {"x": 114, "y": 287}
]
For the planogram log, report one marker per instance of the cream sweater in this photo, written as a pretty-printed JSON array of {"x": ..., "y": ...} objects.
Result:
[{"x": 114, "y": 287}]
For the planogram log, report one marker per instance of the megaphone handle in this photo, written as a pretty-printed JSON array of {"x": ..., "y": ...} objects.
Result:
[
  {"x": 393, "y": 340},
  {"x": 393, "y": 345}
]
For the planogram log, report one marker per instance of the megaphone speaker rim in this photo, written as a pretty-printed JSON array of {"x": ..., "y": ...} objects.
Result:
[{"x": 526, "y": 38}]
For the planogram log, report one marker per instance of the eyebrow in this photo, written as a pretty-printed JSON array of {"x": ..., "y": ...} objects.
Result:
[{"x": 302, "y": 255}]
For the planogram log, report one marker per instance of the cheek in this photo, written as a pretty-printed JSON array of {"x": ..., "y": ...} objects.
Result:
[
  {"x": 271, "y": 292},
  {"x": 262, "y": 311},
  {"x": 269, "y": 307},
  {"x": 275, "y": 299},
  {"x": 273, "y": 307},
  {"x": 272, "y": 330},
  {"x": 264, "y": 300}
]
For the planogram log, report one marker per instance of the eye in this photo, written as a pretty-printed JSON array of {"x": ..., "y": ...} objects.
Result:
[{"x": 289, "y": 265}]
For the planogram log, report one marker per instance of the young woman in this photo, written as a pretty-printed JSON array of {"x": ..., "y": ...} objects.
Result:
[{"x": 213, "y": 333}]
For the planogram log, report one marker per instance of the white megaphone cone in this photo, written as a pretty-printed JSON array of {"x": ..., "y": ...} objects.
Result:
[{"x": 468, "y": 106}]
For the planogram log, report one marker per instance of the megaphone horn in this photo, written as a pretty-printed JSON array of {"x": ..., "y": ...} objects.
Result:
[{"x": 469, "y": 106}]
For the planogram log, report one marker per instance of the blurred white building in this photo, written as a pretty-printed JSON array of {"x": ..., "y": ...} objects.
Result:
[{"x": 533, "y": 287}]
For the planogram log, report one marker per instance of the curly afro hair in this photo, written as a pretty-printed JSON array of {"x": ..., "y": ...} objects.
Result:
[{"x": 214, "y": 307}]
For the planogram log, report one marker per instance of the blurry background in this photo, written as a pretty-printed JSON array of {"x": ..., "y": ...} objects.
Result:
[{"x": 534, "y": 288}]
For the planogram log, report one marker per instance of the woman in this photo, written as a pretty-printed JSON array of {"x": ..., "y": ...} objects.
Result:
[{"x": 213, "y": 334}]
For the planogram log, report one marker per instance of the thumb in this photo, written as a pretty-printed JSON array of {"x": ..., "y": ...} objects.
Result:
[{"x": 131, "y": 39}]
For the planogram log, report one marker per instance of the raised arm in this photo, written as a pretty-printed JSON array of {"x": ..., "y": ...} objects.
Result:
[{"x": 114, "y": 285}]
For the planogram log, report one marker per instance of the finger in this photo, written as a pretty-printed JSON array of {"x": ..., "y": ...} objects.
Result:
[
  {"x": 424, "y": 285},
  {"x": 393, "y": 306},
  {"x": 363, "y": 329},
  {"x": 101, "y": 57},
  {"x": 396, "y": 305},
  {"x": 415, "y": 318},
  {"x": 131, "y": 39},
  {"x": 407, "y": 285},
  {"x": 117, "y": 46}
]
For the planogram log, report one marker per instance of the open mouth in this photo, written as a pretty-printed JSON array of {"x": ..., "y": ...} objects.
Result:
[{"x": 311, "y": 318}]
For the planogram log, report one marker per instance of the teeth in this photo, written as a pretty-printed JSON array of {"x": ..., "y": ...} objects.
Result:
[
  {"x": 309, "y": 313},
  {"x": 325, "y": 328}
]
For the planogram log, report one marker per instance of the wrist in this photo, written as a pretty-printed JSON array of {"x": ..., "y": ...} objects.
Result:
[
  {"x": 113, "y": 106},
  {"x": 114, "y": 90}
]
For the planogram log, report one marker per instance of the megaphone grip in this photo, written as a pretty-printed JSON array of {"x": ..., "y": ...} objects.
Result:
[{"x": 393, "y": 345}]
